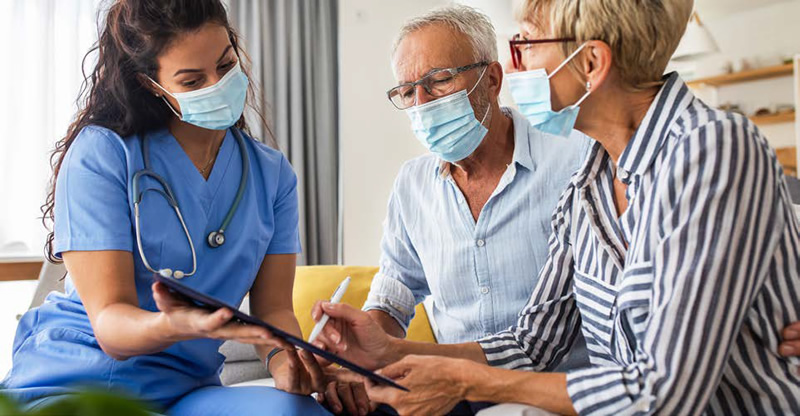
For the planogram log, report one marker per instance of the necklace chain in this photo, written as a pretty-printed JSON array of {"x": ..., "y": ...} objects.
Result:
[{"x": 210, "y": 161}]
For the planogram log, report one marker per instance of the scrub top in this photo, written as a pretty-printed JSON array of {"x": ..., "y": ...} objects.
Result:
[{"x": 55, "y": 349}]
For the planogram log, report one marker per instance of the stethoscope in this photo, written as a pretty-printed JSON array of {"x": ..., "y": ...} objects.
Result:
[{"x": 216, "y": 238}]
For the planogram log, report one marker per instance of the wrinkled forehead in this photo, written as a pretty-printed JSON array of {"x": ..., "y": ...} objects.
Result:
[{"x": 431, "y": 47}]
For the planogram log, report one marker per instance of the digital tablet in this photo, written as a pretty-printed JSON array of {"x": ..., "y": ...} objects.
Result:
[{"x": 207, "y": 302}]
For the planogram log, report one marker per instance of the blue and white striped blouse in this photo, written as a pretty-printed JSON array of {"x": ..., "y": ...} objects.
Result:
[{"x": 682, "y": 298}]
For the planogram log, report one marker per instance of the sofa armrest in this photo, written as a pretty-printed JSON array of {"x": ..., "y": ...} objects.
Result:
[{"x": 242, "y": 371}]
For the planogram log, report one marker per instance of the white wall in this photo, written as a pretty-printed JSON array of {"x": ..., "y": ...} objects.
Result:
[
  {"x": 375, "y": 137},
  {"x": 762, "y": 34},
  {"x": 501, "y": 12}
]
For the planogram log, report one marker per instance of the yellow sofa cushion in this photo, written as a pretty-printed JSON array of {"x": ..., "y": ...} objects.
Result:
[{"x": 313, "y": 283}]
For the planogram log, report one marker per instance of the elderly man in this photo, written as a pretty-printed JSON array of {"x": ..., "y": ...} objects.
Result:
[{"x": 467, "y": 223}]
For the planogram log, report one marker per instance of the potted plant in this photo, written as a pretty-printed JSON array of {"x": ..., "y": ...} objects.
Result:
[{"x": 87, "y": 403}]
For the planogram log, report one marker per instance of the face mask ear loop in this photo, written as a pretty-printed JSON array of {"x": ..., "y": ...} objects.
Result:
[
  {"x": 164, "y": 98},
  {"x": 479, "y": 80},
  {"x": 488, "y": 109},
  {"x": 585, "y": 96},
  {"x": 171, "y": 107},
  {"x": 566, "y": 61}
]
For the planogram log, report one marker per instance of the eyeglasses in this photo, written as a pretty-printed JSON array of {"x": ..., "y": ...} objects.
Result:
[
  {"x": 438, "y": 83},
  {"x": 517, "y": 45}
]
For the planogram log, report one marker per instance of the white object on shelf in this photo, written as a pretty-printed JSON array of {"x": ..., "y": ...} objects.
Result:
[{"x": 696, "y": 42}]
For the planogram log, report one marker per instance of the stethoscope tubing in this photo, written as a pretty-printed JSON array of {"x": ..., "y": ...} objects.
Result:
[{"x": 216, "y": 238}]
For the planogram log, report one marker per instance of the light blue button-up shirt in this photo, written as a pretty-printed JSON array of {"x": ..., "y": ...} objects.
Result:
[{"x": 479, "y": 274}]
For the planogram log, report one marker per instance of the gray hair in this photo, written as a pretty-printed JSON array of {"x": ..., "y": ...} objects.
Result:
[{"x": 473, "y": 24}]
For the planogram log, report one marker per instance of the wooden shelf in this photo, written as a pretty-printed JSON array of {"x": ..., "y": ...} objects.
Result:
[
  {"x": 745, "y": 76},
  {"x": 786, "y": 117},
  {"x": 28, "y": 270},
  {"x": 787, "y": 156}
]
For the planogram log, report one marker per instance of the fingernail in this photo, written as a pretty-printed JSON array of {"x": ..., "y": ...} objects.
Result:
[
  {"x": 787, "y": 350},
  {"x": 792, "y": 334},
  {"x": 337, "y": 338}
]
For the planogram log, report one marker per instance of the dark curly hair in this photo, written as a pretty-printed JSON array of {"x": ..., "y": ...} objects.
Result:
[{"x": 135, "y": 32}]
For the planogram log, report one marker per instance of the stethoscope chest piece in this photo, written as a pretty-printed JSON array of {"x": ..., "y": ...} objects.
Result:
[{"x": 216, "y": 239}]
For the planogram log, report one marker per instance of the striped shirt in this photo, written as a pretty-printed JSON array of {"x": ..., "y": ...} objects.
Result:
[{"x": 682, "y": 298}]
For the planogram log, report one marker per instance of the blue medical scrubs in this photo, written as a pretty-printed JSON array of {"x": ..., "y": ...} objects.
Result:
[{"x": 55, "y": 350}]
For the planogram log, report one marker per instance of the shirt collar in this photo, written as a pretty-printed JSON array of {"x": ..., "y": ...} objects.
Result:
[
  {"x": 665, "y": 111},
  {"x": 640, "y": 153},
  {"x": 522, "y": 139},
  {"x": 594, "y": 162},
  {"x": 522, "y": 146}
]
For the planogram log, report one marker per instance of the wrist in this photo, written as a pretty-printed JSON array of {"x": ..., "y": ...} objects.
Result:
[
  {"x": 166, "y": 330},
  {"x": 275, "y": 362},
  {"x": 394, "y": 351},
  {"x": 473, "y": 381}
]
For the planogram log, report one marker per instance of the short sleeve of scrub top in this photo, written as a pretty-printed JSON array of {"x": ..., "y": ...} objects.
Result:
[
  {"x": 94, "y": 211},
  {"x": 285, "y": 239},
  {"x": 91, "y": 200}
]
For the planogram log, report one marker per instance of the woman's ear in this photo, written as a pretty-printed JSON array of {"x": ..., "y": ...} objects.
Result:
[
  {"x": 597, "y": 62},
  {"x": 148, "y": 84}
]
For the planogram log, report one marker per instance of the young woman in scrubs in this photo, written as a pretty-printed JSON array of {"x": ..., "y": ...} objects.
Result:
[{"x": 168, "y": 75}]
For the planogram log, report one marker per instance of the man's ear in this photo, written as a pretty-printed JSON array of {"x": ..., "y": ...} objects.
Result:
[
  {"x": 494, "y": 73},
  {"x": 148, "y": 84},
  {"x": 597, "y": 62}
]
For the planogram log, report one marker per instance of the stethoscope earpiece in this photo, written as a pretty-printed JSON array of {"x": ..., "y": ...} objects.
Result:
[
  {"x": 166, "y": 273},
  {"x": 216, "y": 239}
]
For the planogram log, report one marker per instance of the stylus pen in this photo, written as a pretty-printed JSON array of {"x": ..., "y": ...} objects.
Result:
[{"x": 336, "y": 298}]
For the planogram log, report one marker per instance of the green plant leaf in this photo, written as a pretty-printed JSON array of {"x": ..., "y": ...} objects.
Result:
[
  {"x": 92, "y": 403},
  {"x": 8, "y": 407}
]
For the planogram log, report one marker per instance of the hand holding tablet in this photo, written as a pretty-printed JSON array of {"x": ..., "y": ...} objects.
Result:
[{"x": 207, "y": 302}]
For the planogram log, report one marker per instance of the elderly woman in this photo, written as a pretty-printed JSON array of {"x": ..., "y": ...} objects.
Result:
[{"x": 674, "y": 249}]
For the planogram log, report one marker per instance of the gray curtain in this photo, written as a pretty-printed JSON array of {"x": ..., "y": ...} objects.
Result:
[{"x": 293, "y": 48}]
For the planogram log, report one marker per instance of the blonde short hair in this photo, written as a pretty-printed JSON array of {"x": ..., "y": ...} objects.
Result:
[{"x": 642, "y": 34}]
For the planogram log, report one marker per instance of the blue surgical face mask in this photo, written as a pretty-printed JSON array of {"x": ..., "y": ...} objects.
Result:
[
  {"x": 447, "y": 127},
  {"x": 217, "y": 107},
  {"x": 531, "y": 92}
]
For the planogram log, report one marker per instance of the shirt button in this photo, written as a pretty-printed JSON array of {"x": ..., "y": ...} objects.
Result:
[
  {"x": 480, "y": 243},
  {"x": 485, "y": 290}
]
